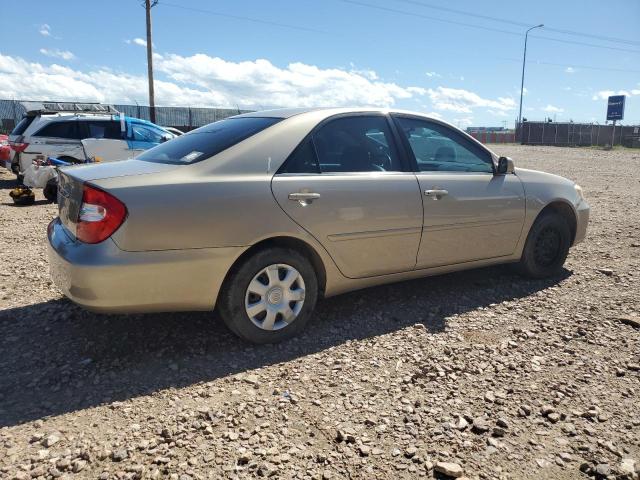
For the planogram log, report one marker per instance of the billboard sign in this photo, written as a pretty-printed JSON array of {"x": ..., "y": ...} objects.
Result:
[{"x": 615, "y": 107}]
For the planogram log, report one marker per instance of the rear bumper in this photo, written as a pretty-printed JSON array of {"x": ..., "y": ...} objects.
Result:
[
  {"x": 582, "y": 212},
  {"x": 103, "y": 278}
]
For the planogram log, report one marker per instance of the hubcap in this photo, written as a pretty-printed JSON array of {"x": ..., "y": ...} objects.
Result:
[
  {"x": 275, "y": 297},
  {"x": 547, "y": 247}
]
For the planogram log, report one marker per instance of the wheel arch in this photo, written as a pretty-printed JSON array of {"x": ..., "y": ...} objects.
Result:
[
  {"x": 286, "y": 242},
  {"x": 566, "y": 210}
]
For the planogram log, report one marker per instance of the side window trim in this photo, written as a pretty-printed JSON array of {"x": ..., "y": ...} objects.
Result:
[{"x": 409, "y": 151}]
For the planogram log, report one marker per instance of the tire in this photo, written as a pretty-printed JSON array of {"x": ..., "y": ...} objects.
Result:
[
  {"x": 50, "y": 191},
  {"x": 239, "y": 293},
  {"x": 547, "y": 246}
]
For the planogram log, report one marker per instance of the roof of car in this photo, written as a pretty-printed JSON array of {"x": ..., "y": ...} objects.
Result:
[{"x": 290, "y": 112}]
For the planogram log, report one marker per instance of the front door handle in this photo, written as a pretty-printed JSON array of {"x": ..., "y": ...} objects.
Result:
[
  {"x": 436, "y": 194},
  {"x": 304, "y": 198}
]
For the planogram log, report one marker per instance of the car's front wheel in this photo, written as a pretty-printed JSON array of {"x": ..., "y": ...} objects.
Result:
[
  {"x": 269, "y": 296},
  {"x": 547, "y": 246}
]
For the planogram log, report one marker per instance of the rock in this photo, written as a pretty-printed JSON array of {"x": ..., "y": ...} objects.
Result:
[
  {"x": 502, "y": 422},
  {"x": 499, "y": 432},
  {"x": 546, "y": 410},
  {"x": 251, "y": 379},
  {"x": 480, "y": 425},
  {"x": 119, "y": 455},
  {"x": 490, "y": 396},
  {"x": 460, "y": 424},
  {"x": 605, "y": 271},
  {"x": 542, "y": 463},
  {"x": 364, "y": 450},
  {"x": 410, "y": 452},
  {"x": 627, "y": 467},
  {"x": 603, "y": 469},
  {"x": 553, "y": 417},
  {"x": 51, "y": 440},
  {"x": 449, "y": 468}
]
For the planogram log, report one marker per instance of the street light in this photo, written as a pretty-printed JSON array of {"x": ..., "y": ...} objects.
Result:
[{"x": 524, "y": 61}]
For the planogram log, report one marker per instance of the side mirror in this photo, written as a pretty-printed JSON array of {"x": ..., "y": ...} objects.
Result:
[
  {"x": 505, "y": 166},
  {"x": 165, "y": 138}
]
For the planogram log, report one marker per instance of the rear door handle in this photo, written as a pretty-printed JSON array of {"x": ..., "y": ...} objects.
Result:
[
  {"x": 436, "y": 193},
  {"x": 304, "y": 198}
]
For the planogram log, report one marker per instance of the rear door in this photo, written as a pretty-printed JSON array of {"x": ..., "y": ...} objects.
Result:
[
  {"x": 104, "y": 141},
  {"x": 469, "y": 212},
  {"x": 348, "y": 187},
  {"x": 56, "y": 138}
]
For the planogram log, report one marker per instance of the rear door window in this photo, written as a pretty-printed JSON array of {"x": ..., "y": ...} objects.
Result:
[
  {"x": 207, "y": 141},
  {"x": 356, "y": 144},
  {"x": 103, "y": 129},
  {"x": 66, "y": 129}
]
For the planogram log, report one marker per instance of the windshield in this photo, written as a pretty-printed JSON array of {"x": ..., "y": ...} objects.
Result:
[{"x": 207, "y": 141}]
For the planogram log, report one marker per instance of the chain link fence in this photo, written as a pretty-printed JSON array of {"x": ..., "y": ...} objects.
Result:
[
  {"x": 183, "y": 118},
  {"x": 577, "y": 134}
]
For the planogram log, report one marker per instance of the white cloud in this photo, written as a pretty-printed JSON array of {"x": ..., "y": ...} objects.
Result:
[
  {"x": 45, "y": 30},
  {"x": 570, "y": 70},
  {"x": 463, "y": 101},
  {"x": 433, "y": 74},
  {"x": 604, "y": 94},
  {"x": 202, "y": 80},
  {"x": 137, "y": 41},
  {"x": 55, "y": 53},
  {"x": 259, "y": 82},
  {"x": 552, "y": 109}
]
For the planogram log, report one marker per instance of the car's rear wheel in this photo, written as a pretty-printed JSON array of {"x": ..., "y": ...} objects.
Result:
[
  {"x": 547, "y": 246},
  {"x": 50, "y": 190},
  {"x": 269, "y": 296}
]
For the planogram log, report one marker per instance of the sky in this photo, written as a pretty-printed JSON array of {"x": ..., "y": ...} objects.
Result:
[{"x": 460, "y": 61}]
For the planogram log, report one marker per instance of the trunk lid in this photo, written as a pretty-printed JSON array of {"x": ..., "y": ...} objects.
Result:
[{"x": 71, "y": 182}]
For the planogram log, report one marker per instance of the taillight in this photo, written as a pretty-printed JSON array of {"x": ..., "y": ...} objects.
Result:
[
  {"x": 18, "y": 147},
  {"x": 101, "y": 214}
]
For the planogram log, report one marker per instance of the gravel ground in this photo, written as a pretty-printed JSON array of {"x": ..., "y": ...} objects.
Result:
[{"x": 480, "y": 374}]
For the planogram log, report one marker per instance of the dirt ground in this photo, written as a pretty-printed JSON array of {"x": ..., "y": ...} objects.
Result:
[{"x": 481, "y": 374}]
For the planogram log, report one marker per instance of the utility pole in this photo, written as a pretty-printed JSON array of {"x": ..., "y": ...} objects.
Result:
[
  {"x": 524, "y": 61},
  {"x": 149, "y": 4}
]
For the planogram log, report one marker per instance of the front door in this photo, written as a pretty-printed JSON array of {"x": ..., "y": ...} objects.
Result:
[
  {"x": 469, "y": 213},
  {"x": 346, "y": 186}
]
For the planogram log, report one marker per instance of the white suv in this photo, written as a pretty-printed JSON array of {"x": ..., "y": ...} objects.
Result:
[{"x": 76, "y": 133}]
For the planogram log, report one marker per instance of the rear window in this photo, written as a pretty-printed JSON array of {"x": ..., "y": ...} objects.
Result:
[
  {"x": 22, "y": 125},
  {"x": 207, "y": 141}
]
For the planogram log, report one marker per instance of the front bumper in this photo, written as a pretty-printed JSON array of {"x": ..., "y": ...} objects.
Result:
[
  {"x": 582, "y": 221},
  {"x": 103, "y": 278}
]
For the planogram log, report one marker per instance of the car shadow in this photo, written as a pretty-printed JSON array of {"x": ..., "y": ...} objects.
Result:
[
  {"x": 58, "y": 358},
  {"x": 8, "y": 184},
  {"x": 35, "y": 203}
]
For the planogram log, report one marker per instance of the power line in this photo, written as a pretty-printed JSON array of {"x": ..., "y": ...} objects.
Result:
[
  {"x": 565, "y": 65},
  {"x": 480, "y": 27},
  {"x": 520, "y": 24},
  {"x": 241, "y": 17}
]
